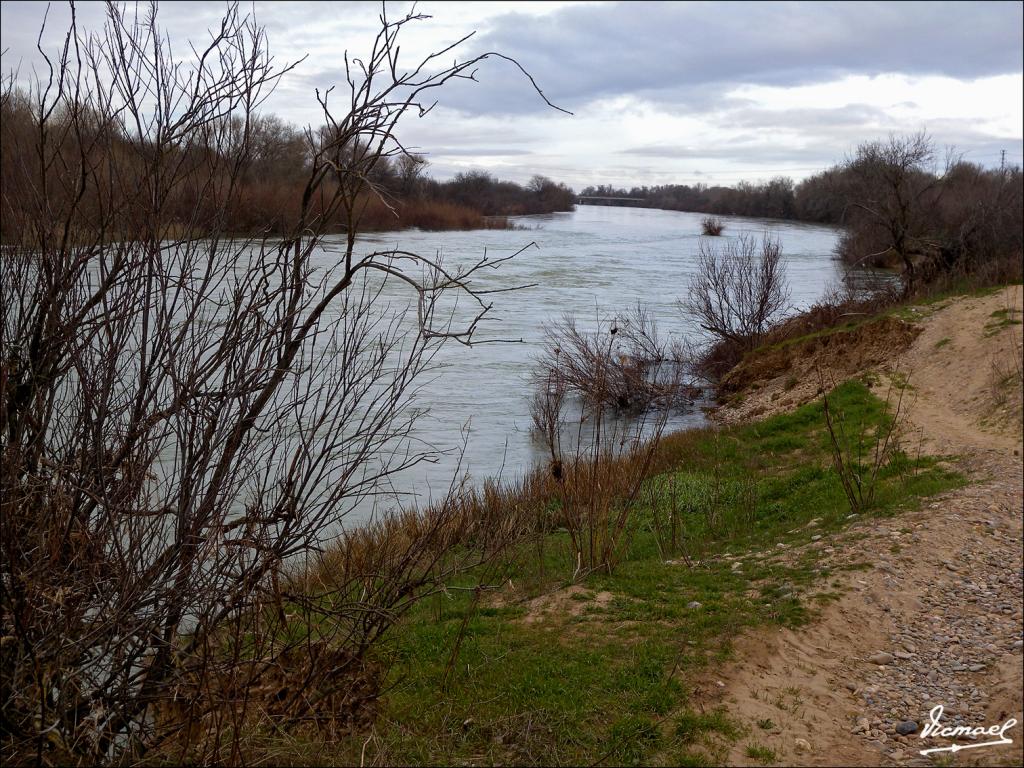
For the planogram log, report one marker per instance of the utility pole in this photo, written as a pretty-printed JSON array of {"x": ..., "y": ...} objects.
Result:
[{"x": 1002, "y": 160}]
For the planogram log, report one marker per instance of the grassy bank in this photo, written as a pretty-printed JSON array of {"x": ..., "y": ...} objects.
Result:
[
  {"x": 845, "y": 338},
  {"x": 604, "y": 670}
]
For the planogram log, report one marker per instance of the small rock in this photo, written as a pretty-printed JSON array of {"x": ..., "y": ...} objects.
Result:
[
  {"x": 802, "y": 745},
  {"x": 881, "y": 658},
  {"x": 694, "y": 605},
  {"x": 906, "y": 727}
]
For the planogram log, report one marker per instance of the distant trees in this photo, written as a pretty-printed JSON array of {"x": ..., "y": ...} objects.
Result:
[
  {"x": 550, "y": 195},
  {"x": 771, "y": 199},
  {"x": 274, "y": 158},
  {"x": 821, "y": 198},
  {"x": 899, "y": 207},
  {"x": 480, "y": 190},
  {"x": 277, "y": 150},
  {"x": 410, "y": 170}
]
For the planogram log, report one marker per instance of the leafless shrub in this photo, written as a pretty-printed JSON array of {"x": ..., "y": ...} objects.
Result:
[
  {"x": 712, "y": 226},
  {"x": 624, "y": 365},
  {"x": 187, "y": 416},
  {"x": 738, "y": 291},
  {"x": 625, "y": 383},
  {"x": 669, "y": 508},
  {"x": 860, "y": 448}
]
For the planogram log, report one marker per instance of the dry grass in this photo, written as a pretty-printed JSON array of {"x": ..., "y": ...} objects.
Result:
[{"x": 1006, "y": 380}]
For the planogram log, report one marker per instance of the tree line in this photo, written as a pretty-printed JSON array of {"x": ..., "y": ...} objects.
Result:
[{"x": 274, "y": 159}]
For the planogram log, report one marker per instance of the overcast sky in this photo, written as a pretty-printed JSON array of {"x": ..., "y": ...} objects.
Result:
[{"x": 661, "y": 92}]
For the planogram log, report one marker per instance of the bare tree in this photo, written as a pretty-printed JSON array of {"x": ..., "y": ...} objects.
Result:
[
  {"x": 891, "y": 191},
  {"x": 188, "y": 416},
  {"x": 739, "y": 290},
  {"x": 410, "y": 171}
]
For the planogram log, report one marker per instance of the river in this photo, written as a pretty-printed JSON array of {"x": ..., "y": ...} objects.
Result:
[{"x": 595, "y": 257}]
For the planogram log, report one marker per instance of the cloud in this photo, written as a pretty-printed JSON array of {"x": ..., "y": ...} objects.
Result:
[
  {"x": 479, "y": 151},
  {"x": 738, "y": 90},
  {"x": 671, "y": 52}
]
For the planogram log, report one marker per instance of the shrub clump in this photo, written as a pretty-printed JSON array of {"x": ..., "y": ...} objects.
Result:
[{"x": 712, "y": 226}]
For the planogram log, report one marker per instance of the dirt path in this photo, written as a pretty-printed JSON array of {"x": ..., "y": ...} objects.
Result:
[{"x": 937, "y": 616}]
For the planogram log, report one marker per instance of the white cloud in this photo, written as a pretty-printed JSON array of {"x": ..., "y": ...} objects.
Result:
[{"x": 661, "y": 92}]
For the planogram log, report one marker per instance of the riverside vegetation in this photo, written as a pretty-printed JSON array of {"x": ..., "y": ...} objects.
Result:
[
  {"x": 168, "y": 591},
  {"x": 605, "y": 668},
  {"x": 726, "y": 536}
]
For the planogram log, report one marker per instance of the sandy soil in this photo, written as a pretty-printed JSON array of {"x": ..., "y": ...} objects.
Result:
[{"x": 942, "y": 593}]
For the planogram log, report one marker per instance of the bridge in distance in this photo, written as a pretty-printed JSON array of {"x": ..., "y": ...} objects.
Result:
[{"x": 593, "y": 200}]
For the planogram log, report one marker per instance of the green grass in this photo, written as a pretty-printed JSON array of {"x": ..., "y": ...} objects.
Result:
[
  {"x": 612, "y": 680},
  {"x": 911, "y": 312},
  {"x": 1000, "y": 319},
  {"x": 763, "y": 755},
  {"x": 691, "y": 727},
  {"x": 943, "y": 342},
  {"x": 846, "y": 327}
]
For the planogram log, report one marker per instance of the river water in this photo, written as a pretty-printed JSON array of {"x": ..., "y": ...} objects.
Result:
[{"x": 596, "y": 257}]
